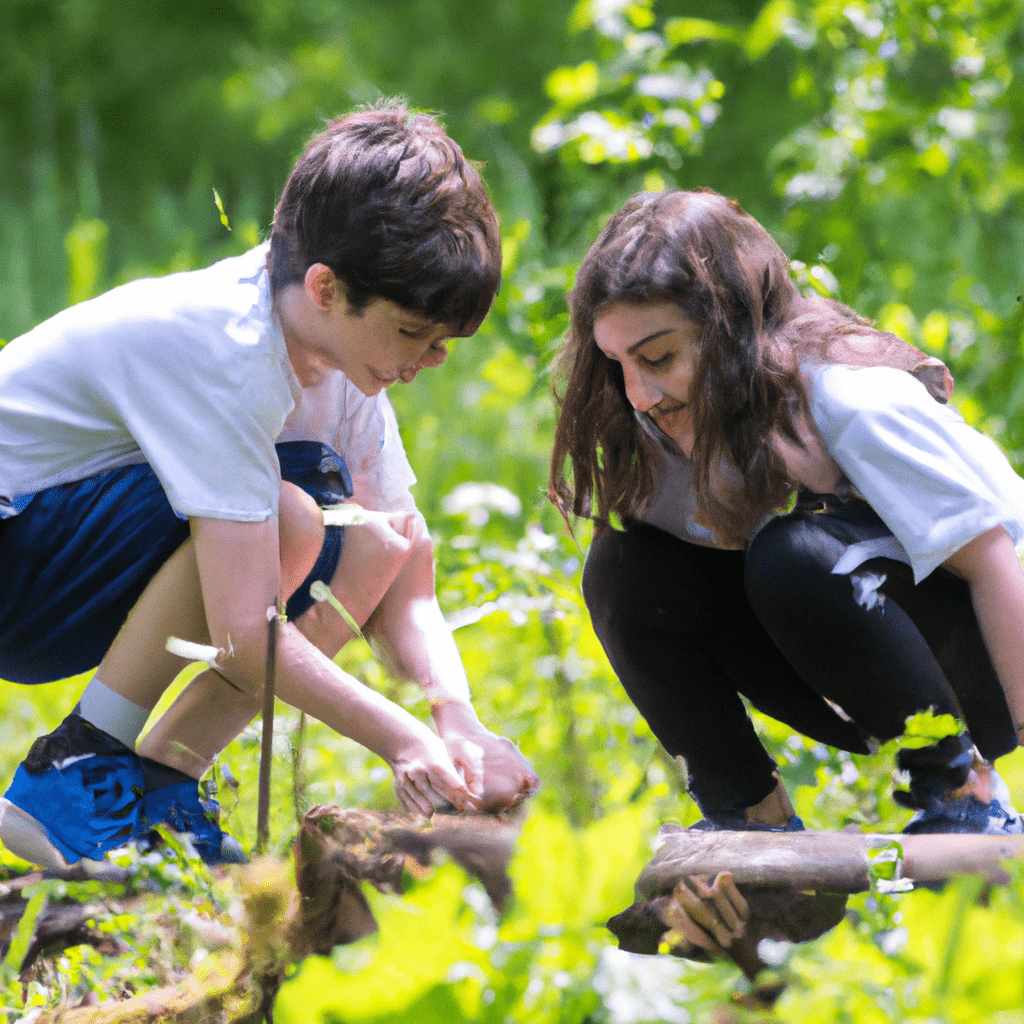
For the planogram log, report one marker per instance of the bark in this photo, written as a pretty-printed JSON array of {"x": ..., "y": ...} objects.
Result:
[{"x": 836, "y": 862}]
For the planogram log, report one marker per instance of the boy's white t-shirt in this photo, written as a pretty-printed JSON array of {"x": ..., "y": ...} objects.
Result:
[
  {"x": 187, "y": 372},
  {"x": 936, "y": 482},
  {"x": 362, "y": 429}
]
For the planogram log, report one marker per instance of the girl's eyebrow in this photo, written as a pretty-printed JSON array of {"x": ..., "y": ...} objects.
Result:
[{"x": 650, "y": 337}]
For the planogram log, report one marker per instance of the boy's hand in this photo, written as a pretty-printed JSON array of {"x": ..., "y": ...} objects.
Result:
[
  {"x": 496, "y": 773},
  {"x": 426, "y": 779}
]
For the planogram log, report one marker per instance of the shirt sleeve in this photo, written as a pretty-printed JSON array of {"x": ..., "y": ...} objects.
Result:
[
  {"x": 363, "y": 430},
  {"x": 383, "y": 478},
  {"x": 211, "y": 446},
  {"x": 936, "y": 482}
]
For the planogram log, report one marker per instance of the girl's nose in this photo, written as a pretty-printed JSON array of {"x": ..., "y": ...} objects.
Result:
[{"x": 643, "y": 393}]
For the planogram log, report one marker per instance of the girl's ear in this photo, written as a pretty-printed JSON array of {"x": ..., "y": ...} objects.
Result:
[{"x": 321, "y": 286}]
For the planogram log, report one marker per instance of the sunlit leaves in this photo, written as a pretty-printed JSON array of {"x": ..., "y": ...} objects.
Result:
[
  {"x": 774, "y": 22},
  {"x": 679, "y": 31},
  {"x": 571, "y": 87},
  {"x": 926, "y": 728},
  {"x": 639, "y": 102},
  {"x": 86, "y": 245}
]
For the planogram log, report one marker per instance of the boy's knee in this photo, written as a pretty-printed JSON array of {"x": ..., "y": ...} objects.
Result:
[{"x": 301, "y": 530}]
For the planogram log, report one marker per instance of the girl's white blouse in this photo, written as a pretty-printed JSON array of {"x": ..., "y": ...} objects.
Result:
[{"x": 936, "y": 482}]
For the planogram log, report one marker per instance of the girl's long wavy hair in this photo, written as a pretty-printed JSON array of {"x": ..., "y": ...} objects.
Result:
[{"x": 717, "y": 264}]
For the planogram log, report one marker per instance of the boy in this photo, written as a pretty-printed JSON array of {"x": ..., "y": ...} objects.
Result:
[{"x": 138, "y": 471}]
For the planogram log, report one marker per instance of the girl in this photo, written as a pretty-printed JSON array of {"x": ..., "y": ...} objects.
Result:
[{"x": 700, "y": 393}]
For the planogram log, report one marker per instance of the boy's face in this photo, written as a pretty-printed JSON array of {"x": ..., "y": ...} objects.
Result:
[{"x": 374, "y": 348}]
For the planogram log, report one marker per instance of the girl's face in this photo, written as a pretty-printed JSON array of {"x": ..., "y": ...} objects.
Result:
[{"x": 657, "y": 348}]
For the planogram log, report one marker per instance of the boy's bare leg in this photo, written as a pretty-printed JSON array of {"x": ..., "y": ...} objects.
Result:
[
  {"x": 138, "y": 666},
  {"x": 210, "y": 712},
  {"x": 371, "y": 559},
  {"x": 115, "y": 706}
]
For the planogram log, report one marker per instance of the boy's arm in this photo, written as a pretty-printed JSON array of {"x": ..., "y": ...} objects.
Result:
[
  {"x": 240, "y": 576},
  {"x": 411, "y": 633},
  {"x": 992, "y": 570}
]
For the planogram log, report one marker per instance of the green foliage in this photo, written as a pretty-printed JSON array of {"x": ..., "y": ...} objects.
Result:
[
  {"x": 880, "y": 140},
  {"x": 185, "y": 914},
  {"x": 924, "y": 729}
]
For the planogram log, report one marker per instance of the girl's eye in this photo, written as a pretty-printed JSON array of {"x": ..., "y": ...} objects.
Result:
[{"x": 660, "y": 363}]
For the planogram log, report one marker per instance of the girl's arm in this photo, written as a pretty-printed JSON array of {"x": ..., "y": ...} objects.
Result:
[{"x": 992, "y": 570}]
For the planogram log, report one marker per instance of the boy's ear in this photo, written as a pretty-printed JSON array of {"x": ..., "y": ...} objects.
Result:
[{"x": 321, "y": 285}]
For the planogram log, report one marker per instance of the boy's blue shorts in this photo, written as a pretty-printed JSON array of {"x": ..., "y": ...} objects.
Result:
[{"x": 75, "y": 561}]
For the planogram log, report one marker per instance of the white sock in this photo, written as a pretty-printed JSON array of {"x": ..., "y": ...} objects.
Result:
[{"x": 108, "y": 710}]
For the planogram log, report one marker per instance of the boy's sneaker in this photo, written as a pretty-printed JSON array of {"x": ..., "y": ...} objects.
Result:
[
  {"x": 76, "y": 795},
  {"x": 180, "y": 808}
]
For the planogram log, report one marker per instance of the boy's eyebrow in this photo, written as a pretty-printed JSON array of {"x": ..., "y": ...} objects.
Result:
[{"x": 650, "y": 337}]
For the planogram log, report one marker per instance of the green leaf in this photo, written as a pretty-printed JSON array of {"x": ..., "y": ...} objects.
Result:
[
  {"x": 220, "y": 206},
  {"x": 320, "y": 591},
  {"x": 926, "y": 728},
  {"x": 679, "y": 31},
  {"x": 423, "y": 936},
  {"x": 572, "y": 87},
  {"x": 26, "y": 926},
  {"x": 767, "y": 27}
]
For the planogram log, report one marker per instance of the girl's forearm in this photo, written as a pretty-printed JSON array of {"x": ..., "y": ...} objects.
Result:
[{"x": 991, "y": 568}]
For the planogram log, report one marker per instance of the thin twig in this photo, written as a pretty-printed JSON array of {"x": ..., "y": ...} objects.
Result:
[{"x": 267, "y": 741}]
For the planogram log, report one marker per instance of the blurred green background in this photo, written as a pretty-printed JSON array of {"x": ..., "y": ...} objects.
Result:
[{"x": 882, "y": 143}]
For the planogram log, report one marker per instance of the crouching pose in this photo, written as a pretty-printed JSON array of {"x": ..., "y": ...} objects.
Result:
[
  {"x": 701, "y": 392},
  {"x": 165, "y": 450}
]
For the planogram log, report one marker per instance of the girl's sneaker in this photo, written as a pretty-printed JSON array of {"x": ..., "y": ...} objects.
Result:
[
  {"x": 981, "y": 807},
  {"x": 76, "y": 795}
]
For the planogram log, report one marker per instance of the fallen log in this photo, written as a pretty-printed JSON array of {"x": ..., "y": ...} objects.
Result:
[
  {"x": 795, "y": 883},
  {"x": 837, "y": 862},
  {"x": 339, "y": 849}
]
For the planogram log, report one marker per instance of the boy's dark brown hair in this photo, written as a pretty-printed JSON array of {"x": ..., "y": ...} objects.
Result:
[{"x": 389, "y": 202}]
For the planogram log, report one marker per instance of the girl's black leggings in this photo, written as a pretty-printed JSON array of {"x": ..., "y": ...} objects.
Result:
[{"x": 688, "y": 629}]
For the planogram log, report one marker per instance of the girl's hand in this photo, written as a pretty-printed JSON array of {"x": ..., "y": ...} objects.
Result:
[
  {"x": 705, "y": 919},
  {"x": 425, "y": 777},
  {"x": 808, "y": 463}
]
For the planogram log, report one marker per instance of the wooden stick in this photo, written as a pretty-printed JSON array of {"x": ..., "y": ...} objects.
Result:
[{"x": 267, "y": 740}]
